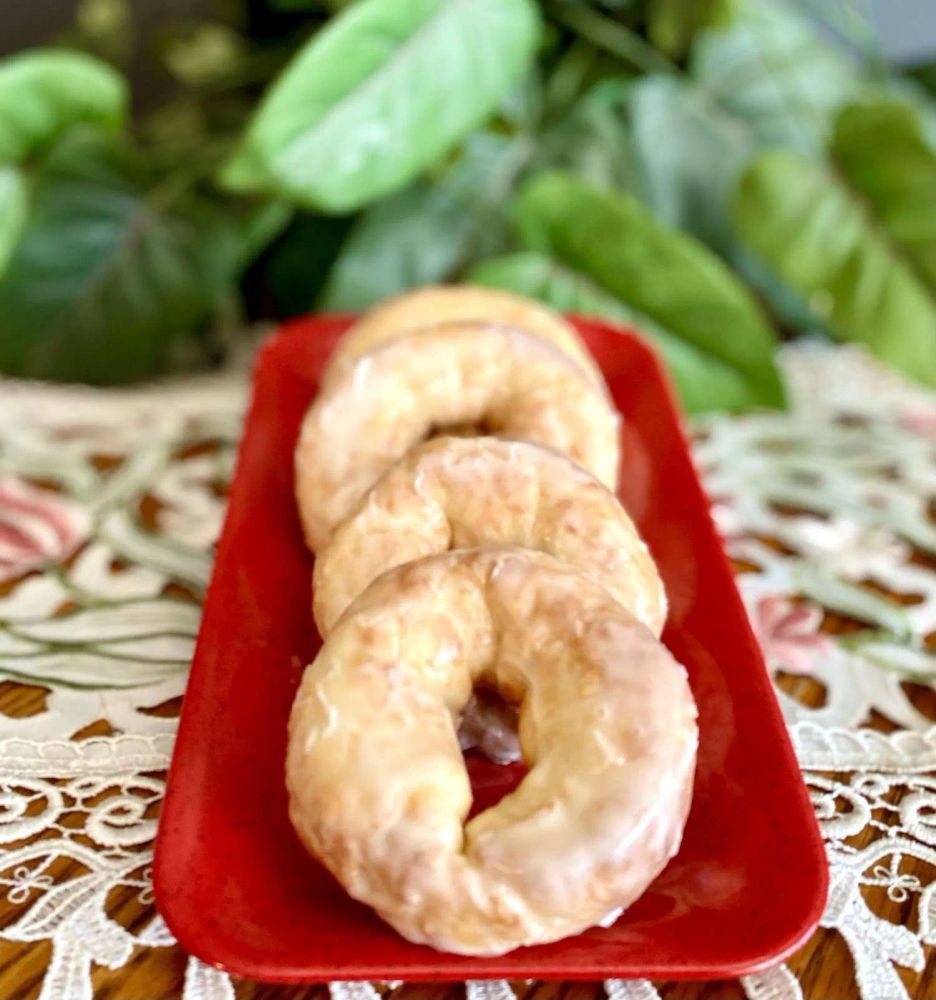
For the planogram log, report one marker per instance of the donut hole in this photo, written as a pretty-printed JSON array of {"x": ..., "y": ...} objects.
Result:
[
  {"x": 490, "y": 782},
  {"x": 488, "y": 724},
  {"x": 480, "y": 428},
  {"x": 487, "y": 733}
]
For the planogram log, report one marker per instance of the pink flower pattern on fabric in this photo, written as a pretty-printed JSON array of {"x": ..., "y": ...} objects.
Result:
[
  {"x": 37, "y": 527},
  {"x": 920, "y": 420},
  {"x": 789, "y": 633}
]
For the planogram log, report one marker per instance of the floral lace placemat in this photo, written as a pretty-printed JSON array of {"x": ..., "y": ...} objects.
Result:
[{"x": 110, "y": 502}]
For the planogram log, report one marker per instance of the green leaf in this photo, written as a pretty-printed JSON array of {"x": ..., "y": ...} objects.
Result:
[
  {"x": 704, "y": 382},
  {"x": 571, "y": 75},
  {"x": 785, "y": 304},
  {"x": 672, "y": 24},
  {"x": 880, "y": 148},
  {"x": 772, "y": 68},
  {"x": 903, "y": 90},
  {"x": 593, "y": 140},
  {"x": 294, "y": 270},
  {"x": 115, "y": 270},
  {"x": 610, "y": 35},
  {"x": 815, "y": 235},
  {"x": 689, "y": 154},
  {"x": 379, "y": 94},
  {"x": 681, "y": 153},
  {"x": 432, "y": 230},
  {"x": 411, "y": 238},
  {"x": 44, "y": 92},
  {"x": 522, "y": 108},
  {"x": 663, "y": 274},
  {"x": 12, "y": 211},
  {"x": 925, "y": 75},
  {"x": 257, "y": 226}
]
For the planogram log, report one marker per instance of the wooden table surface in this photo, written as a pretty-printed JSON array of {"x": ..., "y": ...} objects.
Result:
[{"x": 823, "y": 967}]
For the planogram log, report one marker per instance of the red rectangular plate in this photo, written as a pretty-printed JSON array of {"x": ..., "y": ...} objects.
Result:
[{"x": 234, "y": 884}]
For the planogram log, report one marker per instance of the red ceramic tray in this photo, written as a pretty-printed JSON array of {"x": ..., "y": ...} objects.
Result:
[{"x": 232, "y": 881}]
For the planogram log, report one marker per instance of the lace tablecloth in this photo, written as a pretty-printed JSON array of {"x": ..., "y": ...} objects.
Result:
[{"x": 110, "y": 503}]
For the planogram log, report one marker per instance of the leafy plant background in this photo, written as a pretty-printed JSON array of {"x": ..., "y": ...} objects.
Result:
[{"x": 719, "y": 174}]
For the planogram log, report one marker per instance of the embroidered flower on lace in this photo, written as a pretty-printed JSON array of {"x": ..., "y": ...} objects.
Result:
[
  {"x": 897, "y": 883},
  {"x": 789, "y": 633},
  {"x": 881, "y": 783},
  {"x": 36, "y": 527},
  {"x": 109, "y": 633},
  {"x": 23, "y": 880}
]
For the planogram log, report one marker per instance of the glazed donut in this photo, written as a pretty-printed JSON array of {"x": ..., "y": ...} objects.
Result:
[
  {"x": 377, "y": 784},
  {"x": 515, "y": 384},
  {"x": 457, "y": 493},
  {"x": 436, "y": 304}
]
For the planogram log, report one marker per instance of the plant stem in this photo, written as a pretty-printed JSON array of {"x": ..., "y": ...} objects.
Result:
[{"x": 614, "y": 38}]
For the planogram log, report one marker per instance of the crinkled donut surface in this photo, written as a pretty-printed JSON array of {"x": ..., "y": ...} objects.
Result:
[
  {"x": 508, "y": 382},
  {"x": 456, "y": 493},
  {"x": 377, "y": 783},
  {"x": 436, "y": 304}
]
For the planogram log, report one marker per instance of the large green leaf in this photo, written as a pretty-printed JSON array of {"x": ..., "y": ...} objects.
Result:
[
  {"x": 432, "y": 230},
  {"x": 689, "y": 153},
  {"x": 12, "y": 211},
  {"x": 664, "y": 139},
  {"x": 705, "y": 382},
  {"x": 880, "y": 148},
  {"x": 379, "y": 94},
  {"x": 113, "y": 273},
  {"x": 907, "y": 91},
  {"x": 771, "y": 67},
  {"x": 44, "y": 92},
  {"x": 813, "y": 232},
  {"x": 663, "y": 274},
  {"x": 667, "y": 141}
]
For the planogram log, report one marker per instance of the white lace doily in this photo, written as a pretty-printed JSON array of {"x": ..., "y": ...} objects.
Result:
[{"x": 110, "y": 503}]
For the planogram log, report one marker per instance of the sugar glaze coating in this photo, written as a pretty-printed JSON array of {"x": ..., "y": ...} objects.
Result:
[
  {"x": 434, "y": 304},
  {"x": 455, "y": 493},
  {"x": 377, "y": 783},
  {"x": 515, "y": 384}
]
